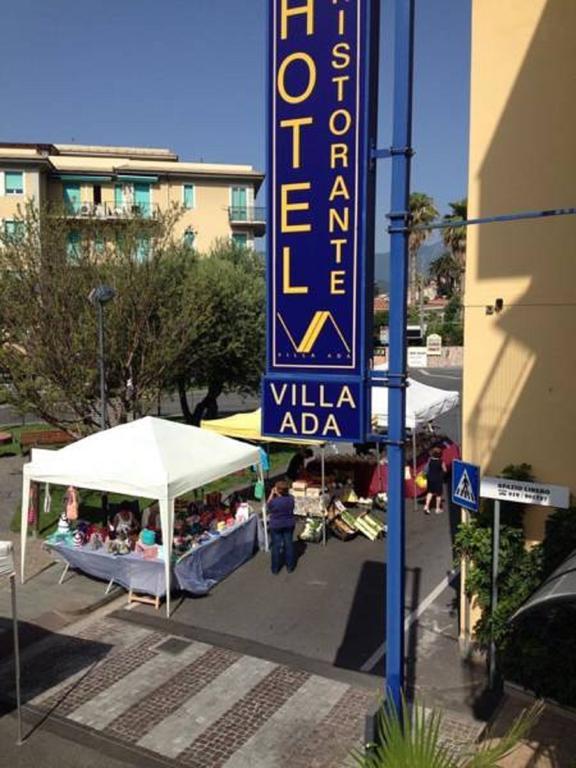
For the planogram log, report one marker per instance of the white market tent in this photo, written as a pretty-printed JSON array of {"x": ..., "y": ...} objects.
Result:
[
  {"x": 153, "y": 458},
  {"x": 423, "y": 403}
]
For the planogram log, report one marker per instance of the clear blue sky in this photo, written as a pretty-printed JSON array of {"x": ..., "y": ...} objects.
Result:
[{"x": 190, "y": 75}]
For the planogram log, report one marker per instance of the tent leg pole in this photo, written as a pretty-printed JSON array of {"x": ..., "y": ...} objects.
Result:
[
  {"x": 323, "y": 466},
  {"x": 264, "y": 514},
  {"x": 16, "y": 656},
  {"x": 414, "y": 468},
  {"x": 64, "y": 572},
  {"x": 109, "y": 587}
]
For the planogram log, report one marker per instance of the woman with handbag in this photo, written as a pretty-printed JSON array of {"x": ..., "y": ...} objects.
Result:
[{"x": 435, "y": 473}]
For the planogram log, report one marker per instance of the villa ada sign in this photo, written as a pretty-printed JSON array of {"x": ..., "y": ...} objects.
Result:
[{"x": 319, "y": 187}]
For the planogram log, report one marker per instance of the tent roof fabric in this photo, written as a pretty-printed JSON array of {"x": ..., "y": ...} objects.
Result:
[
  {"x": 248, "y": 426},
  {"x": 423, "y": 403},
  {"x": 559, "y": 587},
  {"x": 150, "y": 457}
]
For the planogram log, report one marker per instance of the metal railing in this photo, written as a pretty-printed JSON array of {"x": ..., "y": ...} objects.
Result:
[
  {"x": 111, "y": 210},
  {"x": 246, "y": 213}
]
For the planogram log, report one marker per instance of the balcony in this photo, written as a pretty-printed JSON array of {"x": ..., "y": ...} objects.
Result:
[
  {"x": 248, "y": 217},
  {"x": 111, "y": 211}
]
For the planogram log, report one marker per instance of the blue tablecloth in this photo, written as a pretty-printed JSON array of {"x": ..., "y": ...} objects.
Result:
[{"x": 197, "y": 572}]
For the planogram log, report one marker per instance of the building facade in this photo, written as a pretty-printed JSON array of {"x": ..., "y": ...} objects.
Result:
[
  {"x": 115, "y": 183},
  {"x": 520, "y": 292}
]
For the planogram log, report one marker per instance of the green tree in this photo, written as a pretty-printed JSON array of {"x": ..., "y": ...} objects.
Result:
[
  {"x": 454, "y": 237},
  {"x": 49, "y": 349},
  {"x": 446, "y": 271},
  {"x": 226, "y": 340},
  {"x": 422, "y": 211}
]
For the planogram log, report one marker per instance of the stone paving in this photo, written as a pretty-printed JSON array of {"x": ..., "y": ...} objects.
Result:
[{"x": 190, "y": 703}]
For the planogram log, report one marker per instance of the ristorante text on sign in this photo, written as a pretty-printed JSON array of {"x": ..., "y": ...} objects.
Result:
[{"x": 317, "y": 190}]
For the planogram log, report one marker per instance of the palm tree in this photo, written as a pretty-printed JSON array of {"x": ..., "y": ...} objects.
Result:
[
  {"x": 422, "y": 211},
  {"x": 455, "y": 236},
  {"x": 446, "y": 271},
  {"x": 414, "y": 741}
]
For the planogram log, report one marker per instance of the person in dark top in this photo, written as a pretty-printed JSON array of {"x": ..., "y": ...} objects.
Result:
[
  {"x": 298, "y": 462},
  {"x": 282, "y": 522},
  {"x": 435, "y": 472}
]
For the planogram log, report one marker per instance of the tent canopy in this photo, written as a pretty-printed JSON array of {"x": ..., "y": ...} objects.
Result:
[
  {"x": 423, "y": 403},
  {"x": 150, "y": 457},
  {"x": 248, "y": 426},
  {"x": 153, "y": 458}
]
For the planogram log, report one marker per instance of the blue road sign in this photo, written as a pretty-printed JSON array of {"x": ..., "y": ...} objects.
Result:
[{"x": 466, "y": 485}]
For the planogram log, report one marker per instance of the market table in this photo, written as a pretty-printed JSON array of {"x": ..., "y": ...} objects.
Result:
[
  {"x": 197, "y": 572},
  {"x": 201, "y": 568}
]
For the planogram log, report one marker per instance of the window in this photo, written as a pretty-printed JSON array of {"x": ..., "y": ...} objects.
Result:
[
  {"x": 99, "y": 244},
  {"x": 73, "y": 244},
  {"x": 240, "y": 239},
  {"x": 189, "y": 196},
  {"x": 143, "y": 248},
  {"x": 239, "y": 204},
  {"x": 13, "y": 183},
  {"x": 97, "y": 194},
  {"x": 189, "y": 237},
  {"x": 14, "y": 230}
]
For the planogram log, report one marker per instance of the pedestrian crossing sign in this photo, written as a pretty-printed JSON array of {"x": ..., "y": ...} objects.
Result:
[{"x": 466, "y": 485}]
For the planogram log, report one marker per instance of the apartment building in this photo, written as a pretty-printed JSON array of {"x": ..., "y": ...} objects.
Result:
[{"x": 117, "y": 183}]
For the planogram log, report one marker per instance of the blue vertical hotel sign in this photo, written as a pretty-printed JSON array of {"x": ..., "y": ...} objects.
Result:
[{"x": 320, "y": 206}]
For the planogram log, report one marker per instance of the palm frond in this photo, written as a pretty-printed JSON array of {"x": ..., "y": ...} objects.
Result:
[{"x": 487, "y": 755}]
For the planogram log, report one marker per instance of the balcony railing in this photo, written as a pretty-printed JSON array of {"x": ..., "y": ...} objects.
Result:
[
  {"x": 246, "y": 214},
  {"x": 111, "y": 210}
]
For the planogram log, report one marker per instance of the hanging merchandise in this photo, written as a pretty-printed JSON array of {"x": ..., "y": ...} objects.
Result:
[
  {"x": 264, "y": 460},
  {"x": 63, "y": 525},
  {"x": 71, "y": 503},
  {"x": 33, "y": 504},
  {"x": 259, "y": 490},
  {"x": 47, "y": 499},
  {"x": 78, "y": 539}
]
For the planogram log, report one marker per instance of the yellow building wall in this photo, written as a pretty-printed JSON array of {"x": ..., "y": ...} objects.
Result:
[
  {"x": 9, "y": 204},
  {"x": 520, "y": 364}
]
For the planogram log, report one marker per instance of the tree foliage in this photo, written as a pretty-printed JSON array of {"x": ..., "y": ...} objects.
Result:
[
  {"x": 422, "y": 211},
  {"x": 455, "y": 239},
  {"x": 524, "y": 647},
  {"x": 226, "y": 344},
  {"x": 174, "y": 315}
]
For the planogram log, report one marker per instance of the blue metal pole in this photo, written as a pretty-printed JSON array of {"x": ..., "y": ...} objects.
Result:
[{"x": 400, "y": 200}]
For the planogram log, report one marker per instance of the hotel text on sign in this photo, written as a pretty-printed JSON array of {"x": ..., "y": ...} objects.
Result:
[{"x": 319, "y": 189}]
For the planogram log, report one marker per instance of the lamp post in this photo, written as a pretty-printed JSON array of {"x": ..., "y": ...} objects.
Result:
[{"x": 100, "y": 296}]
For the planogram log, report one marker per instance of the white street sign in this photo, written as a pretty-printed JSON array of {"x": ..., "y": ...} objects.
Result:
[
  {"x": 417, "y": 357},
  {"x": 525, "y": 493}
]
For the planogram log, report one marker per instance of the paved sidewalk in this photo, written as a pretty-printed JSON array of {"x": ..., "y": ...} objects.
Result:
[{"x": 190, "y": 703}]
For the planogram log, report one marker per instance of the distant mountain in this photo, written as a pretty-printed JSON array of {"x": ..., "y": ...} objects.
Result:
[{"x": 426, "y": 256}]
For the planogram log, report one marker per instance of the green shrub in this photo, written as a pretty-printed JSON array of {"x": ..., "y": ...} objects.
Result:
[{"x": 537, "y": 651}]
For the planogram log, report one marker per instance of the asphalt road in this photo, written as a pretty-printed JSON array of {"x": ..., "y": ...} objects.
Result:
[{"x": 331, "y": 610}]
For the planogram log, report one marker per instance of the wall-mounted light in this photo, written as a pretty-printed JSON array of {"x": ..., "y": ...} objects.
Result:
[{"x": 499, "y": 305}]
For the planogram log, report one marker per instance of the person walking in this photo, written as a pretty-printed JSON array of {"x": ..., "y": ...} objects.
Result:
[
  {"x": 435, "y": 473},
  {"x": 282, "y": 522}
]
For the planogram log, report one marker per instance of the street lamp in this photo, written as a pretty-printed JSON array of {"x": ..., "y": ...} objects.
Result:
[{"x": 99, "y": 296}]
